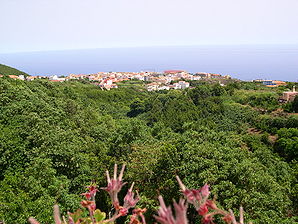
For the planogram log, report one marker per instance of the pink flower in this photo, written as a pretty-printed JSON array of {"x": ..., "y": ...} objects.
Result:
[
  {"x": 134, "y": 219},
  {"x": 203, "y": 210},
  {"x": 194, "y": 196},
  {"x": 205, "y": 191},
  {"x": 211, "y": 204},
  {"x": 70, "y": 220},
  {"x": 89, "y": 204},
  {"x": 180, "y": 211},
  {"x": 92, "y": 190},
  {"x": 87, "y": 195},
  {"x": 165, "y": 215},
  {"x": 92, "y": 207},
  {"x": 227, "y": 218},
  {"x": 208, "y": 219},
  {"x": 91, "y": 193},
  {"x": 114, "y": 185},
  {"x": 129, "y": 200},
  {"x": 123, "y": 211}
]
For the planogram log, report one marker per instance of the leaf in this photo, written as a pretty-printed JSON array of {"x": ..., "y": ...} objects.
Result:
[
  {"x": 77, "y": 215},
  {"x": 99, "y": 216},
  {"x": 86, "y": 221}
]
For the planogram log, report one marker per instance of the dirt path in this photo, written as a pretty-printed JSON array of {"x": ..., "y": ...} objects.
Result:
[{"x": 255, "y": 131}]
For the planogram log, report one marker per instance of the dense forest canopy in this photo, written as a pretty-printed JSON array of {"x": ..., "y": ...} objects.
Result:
[{"x": 55, "y": 138}]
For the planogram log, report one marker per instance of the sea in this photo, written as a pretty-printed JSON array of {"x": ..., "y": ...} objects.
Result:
[{"x": 245, "y": 62}]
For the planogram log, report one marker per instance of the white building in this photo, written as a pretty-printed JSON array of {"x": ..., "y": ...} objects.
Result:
[
  {"x": 183, "y": 85},
  {"x": 56, "y": 78}
]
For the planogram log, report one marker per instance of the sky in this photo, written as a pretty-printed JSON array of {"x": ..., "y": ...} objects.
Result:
[{"x": 45, "y": 25}]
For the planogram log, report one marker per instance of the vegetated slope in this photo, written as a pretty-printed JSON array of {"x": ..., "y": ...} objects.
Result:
[
  {"x": 7, "y": 70},
  {"x": 57, "y": 137}
]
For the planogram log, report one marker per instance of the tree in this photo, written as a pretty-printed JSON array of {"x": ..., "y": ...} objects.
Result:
[{"x": 295, "y": 104}]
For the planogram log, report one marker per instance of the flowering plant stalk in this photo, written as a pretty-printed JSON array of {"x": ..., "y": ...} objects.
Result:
[
  {"x": 198, "y": 198},
  {"x": 95, "y": 215}
]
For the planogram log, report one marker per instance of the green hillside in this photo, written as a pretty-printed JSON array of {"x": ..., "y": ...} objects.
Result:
[
  {"x": 6, "y": 70},
  {"x": 55, "y": 138}
]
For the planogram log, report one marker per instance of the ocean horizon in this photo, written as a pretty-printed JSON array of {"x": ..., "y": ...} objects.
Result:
[{"x": 245, "y": 62}]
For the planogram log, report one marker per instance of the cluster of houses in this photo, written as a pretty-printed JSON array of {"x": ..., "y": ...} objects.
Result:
[
  {"x": 20, "y": 77},
  {"x": 170, "y": 79},
  {"x": 287, "y": 96},
  {"x": 173, "y": 79},
  {"x": 154, "y": 86},
  {"x": 270, "y": 83}
]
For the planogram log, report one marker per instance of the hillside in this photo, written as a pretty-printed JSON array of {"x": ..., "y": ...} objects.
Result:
[
  {"x": 57, "y": 137},
  {"x": 7, "y": 70}
]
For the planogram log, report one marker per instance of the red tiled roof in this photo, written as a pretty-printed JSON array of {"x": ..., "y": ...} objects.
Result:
[
  {"x": 13, "y": 76},
  {"x": 173, "y": 71},
  {"x": 56, "y": 80}
]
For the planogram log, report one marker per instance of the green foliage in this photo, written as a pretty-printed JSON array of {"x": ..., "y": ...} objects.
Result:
[
  {"x": 57, "y": 137},
  {"x": 287, "y": 143},
  {"x": 33, "y": 191},
  {"x": 295, "y": 104},
  {"x": 258, "y": 99},
  {"x": 6, "y": 70},
  {"x": 272, "y": 124},
  {"x": 99, "y": 216}
]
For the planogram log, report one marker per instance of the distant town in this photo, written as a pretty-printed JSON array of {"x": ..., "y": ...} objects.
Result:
[
  {"x": 170, "y": 79},
  {"x": 154, "y": 81}
]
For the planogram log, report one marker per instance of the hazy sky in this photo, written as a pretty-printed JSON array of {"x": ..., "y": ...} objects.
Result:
[{"x": 37, "y": 25}]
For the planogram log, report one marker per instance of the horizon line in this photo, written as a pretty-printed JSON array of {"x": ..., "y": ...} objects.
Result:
[{"x": 147, "y": 46}]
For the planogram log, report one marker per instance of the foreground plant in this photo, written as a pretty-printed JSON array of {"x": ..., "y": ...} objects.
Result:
[
  {"x": 95, "y": 215},
  {"x": 199, "y": 199}
]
